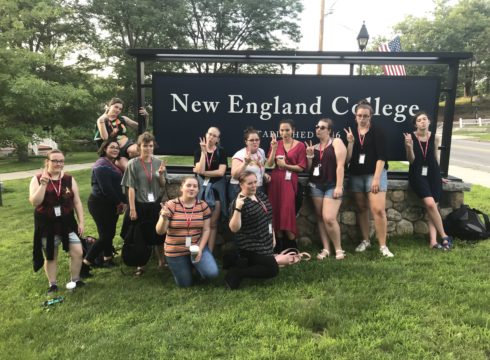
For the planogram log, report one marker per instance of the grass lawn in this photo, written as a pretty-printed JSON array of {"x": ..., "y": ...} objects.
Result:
[
  {"x": 36, "y": 162},
  {"x": 421, "y": 304},
  {"x": 474, "y": 132}
]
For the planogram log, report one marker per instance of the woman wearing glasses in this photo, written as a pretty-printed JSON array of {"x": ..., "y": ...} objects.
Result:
[
  {"x": 106, "y": 201},
  {"x": 326, "y": 162},
  {"x": 56, "y": 199},
  {"x": 210, "y": 166},
  {"x": 250, "y": 158},
  {"x": 289, "y": 157},
  {"x": 366, "y": 155}
]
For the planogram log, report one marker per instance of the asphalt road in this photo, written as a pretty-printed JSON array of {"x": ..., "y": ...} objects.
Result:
[{"x": 470, "y": 154}]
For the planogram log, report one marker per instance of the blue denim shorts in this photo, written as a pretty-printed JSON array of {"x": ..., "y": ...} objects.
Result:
[
  {"x": 72, "y": 238},
  {"x": 321, "y": 190},
  {"x": 362, "y": 183}
]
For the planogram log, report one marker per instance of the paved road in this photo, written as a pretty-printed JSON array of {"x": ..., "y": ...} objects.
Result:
[{"x": 470, "y": 154}]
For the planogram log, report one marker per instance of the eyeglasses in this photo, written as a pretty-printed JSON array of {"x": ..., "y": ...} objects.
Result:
[
  {"x": 363, "y": 116},
  {"x": 320, "y": 127},
  {"x": 253, "y": 140},
  {"x": 57, "y": 162},
  {"x": 113, "y": 147}
]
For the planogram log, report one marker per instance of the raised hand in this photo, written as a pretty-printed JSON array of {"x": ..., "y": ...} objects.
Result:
[
  {"x": 240, "y": 200},
  {"x": 162, "y": 168},
  {"x": 202, "y": 144},
  {"x": 248, "y": 157},
  {"x": 143, "y": 112},
  {"x": 408, "y": 140},
  {"x": 350, "y": 135},
  {"x": 310, "y": 149},
  {"x": 273, "y": 141},
  {"x": 44, "y": 180},
  {"x": 165, "y": 211}
]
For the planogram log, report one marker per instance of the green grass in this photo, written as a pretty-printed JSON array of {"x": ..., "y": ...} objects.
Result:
[
  {"x": 419, "y": 305},
  {"x": 11, "y": 164},
  {"x": 474, "y": 132}
]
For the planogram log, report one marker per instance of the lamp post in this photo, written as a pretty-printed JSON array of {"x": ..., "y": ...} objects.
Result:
[{"x": 362, "y": 40}]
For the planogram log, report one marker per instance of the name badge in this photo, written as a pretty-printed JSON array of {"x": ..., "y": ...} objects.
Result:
[
  {"x": 151, "y": 197},
  {"x": 270, "y": 228},
  {"x": 316, "y": 171},
  {"x": 57, "y": 211},
  {"x": 188, "y": 241},
  {"x": 362, "y": 158},
  {"x": 425, "y": 170},
  {"x": 288, "y": 175},
  {"x": 206, "y": 181},
  {"x": 313, "y": 186}
]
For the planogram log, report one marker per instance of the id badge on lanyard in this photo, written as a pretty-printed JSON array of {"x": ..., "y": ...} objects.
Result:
[
  {"x": 316, "y": 171},
  {"x": 288, "y": 175},
  {"x": 362, "y": 158},
  {"x": 425, "y": 170},
  {"x": 57, "y": 211},
  {"x": 188, "y": 241},
  {"x": 151, "y": 197}
]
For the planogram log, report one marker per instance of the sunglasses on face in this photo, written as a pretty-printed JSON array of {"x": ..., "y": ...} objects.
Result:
[{"x": 321, "y": 127}]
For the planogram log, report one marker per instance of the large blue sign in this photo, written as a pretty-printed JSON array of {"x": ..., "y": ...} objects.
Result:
[{"x": 186, "y": 105}]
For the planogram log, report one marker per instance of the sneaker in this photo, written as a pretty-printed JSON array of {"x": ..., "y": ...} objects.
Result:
[
  {"x": 363, "y": 245},
  {"x": 52, "y": 289},
  {"x": 385, "y": 251},
  {"x": 80, "y": 284}
]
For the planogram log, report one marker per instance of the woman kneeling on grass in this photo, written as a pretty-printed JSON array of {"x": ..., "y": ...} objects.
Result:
[
  {"x": 251, "y": 220},
  {"x": 424, "y": 176},
  {"x": 56, "y": 199},
  {"x": 186, "y": 221}
]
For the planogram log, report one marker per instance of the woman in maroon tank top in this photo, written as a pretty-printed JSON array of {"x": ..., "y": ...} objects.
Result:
[{"x": 326, "y": 162}]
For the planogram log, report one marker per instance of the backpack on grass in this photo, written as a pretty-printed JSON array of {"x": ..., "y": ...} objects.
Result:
[
  {"x": 135, "y": 250},
  {"x": 466, "y": 223}
]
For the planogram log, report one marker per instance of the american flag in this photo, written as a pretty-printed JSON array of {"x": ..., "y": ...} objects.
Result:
[{"x": 393, "y": 46}]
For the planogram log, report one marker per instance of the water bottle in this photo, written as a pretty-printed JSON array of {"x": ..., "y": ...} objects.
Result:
[{"x": 54, "y": 301}]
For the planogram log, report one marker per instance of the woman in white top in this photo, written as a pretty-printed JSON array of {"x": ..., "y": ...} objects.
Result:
[{"x": 250, "y": 158}]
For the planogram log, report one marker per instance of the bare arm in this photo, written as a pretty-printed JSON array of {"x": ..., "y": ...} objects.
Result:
[
  {"x": 134, "y": 124},
  {"x": 78, "y": 207},
  {"x": 237, "y": 167},
  {"x": 409, "y": 148},
  {"x": 37, "y": 190},
  {"x": 132, "y": 203},
  {"x": 104, "y": 135},
  {"x": 236, "y": 217},
  {"x": 340, "y": 155}
]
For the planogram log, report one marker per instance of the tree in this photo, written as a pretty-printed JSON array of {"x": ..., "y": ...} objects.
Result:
[{"x": 462, "y": 27}]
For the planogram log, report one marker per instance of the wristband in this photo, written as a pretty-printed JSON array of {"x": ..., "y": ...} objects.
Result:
[
  {"x": 239, "y": 210},
  {"x": 310, "y": 156}
]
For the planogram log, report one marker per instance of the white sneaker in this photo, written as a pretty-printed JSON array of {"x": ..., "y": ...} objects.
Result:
[
  {"x": 363, "y": 245},
  {"x": 385, "y": 251}
]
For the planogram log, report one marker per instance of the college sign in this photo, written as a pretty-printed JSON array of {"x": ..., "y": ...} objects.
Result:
[{"x": 186, "y": 105}]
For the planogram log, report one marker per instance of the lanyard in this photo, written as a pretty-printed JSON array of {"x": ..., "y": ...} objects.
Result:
[
  {"x": 262, "y": 204},
  {"x": 150, "y": 175},
  {"x": 424, "y": 153},
  {"x": 361, "y": 138},
  {"x": 188, "y": 218},
  {"x": 57, "y": 191},
  {"x": 209, "y": 160},
  {"x": 325, "y": 148}
]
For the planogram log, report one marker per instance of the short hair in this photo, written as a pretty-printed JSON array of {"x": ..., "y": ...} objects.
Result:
[
  {"x": 103, "y": 147},
  {"x": 414, "y": 118},
  {"x": 248, "y": 131},
  {"x": 48, "y": 155},
  {"x": 145, "y": 138},
  {"x": 364, "y": 104},
  {"x": 329, "y": 122},
  {"x": 115, "y": 100},
  {"x": 244, "y": 175}
]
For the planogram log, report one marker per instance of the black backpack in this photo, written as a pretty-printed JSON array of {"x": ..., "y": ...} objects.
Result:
[
  {"x": 466, "y": 223},
  {"x": 135, "y": 250}
]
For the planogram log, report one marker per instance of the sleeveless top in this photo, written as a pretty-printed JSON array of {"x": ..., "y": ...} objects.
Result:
[{"x": 328, "y": 168}]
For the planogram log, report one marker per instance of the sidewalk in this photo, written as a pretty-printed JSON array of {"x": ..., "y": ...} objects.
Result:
[{"x": 30, "y": 173}]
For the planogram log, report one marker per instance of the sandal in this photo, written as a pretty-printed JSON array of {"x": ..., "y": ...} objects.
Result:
[
  {"x": 323, "y": 254},
  {"x": 304, "y": 256},
  {"x": 339, "y": 255},
  {"x": 437, "y": 246},
  {"x": 447, "y": 242},
  {"x": 139, "y": 271}
]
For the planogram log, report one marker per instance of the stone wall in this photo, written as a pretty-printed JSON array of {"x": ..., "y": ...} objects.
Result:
[{"x": 405, "y": 211}]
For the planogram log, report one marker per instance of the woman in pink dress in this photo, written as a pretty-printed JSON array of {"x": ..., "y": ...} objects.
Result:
[{"x": 289, "y": 157}]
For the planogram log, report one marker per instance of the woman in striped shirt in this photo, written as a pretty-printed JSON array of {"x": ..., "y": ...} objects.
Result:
[
  {"x": 186, "y": 221},
  {"x": 251, "y": 221}
]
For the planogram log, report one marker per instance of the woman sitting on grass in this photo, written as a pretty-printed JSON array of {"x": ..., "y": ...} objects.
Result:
[
  {"x": 251, "y": 221},
  {"x": 56, "y": 199},
  {"x": 186, "y": 221},
  {"x": 424, "y": 176}
]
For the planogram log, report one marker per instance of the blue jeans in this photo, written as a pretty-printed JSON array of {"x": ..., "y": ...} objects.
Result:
[{"x": 181, "y": 267}]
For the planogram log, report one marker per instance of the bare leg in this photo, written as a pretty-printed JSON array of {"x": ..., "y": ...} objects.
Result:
[
  {"x": 214, "y": 225},
  {"x": 50, "y": 267},
  {"x": 76, "y": 258},
  {"x": 318, "y": 205},
  {"x": 330, "y": 210},
  {"x": 160, "y": 256},
  {"x": 363, "y": 214},
  {"x": 432, "y": 233},
  {"x": 133, "y": 151},
  {"x": 434, "y": 215},
  {"x": 377, "y": 203}
]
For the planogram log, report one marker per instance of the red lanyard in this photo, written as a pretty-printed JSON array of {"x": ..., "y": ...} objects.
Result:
[
  {"x": 361, "y": 138},
  {"x": 57, "y": 191},
  {"x": 325, "y": 148},
  {"x": 424, "y": 153},
  {"x": 209, "y": 160},
  {"x": 261, "y": 204},
  {"x": 150, "y": 175},
  {"x": 188, "y": 218}
]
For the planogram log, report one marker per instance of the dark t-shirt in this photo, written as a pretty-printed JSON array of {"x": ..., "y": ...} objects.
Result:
[
  {"x": 216, "y": 158},
  {"x": 374, "y": 149}
]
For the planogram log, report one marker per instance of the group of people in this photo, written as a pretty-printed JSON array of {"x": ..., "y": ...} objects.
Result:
[{"x": 260, "y": 208}]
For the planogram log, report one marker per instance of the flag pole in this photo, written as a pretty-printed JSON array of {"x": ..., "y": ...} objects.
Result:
[{"x": 320, "y": 34}]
